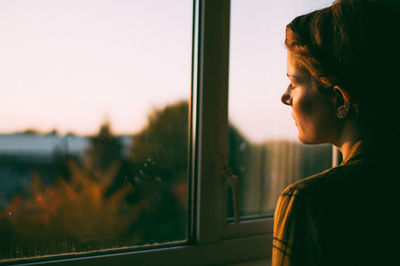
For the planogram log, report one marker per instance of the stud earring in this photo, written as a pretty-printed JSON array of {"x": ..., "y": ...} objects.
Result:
[{"x": 340, "y": 114}]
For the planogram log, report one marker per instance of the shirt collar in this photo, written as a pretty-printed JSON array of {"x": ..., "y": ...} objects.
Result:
[{"x": 354, "y": 151}]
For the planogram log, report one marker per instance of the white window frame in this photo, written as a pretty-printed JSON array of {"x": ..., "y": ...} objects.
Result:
[{"x": 211, "y": 239}]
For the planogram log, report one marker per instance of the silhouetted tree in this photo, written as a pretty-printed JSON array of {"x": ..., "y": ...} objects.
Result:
[
  {"x": 161, "y": 148},
  {"x": 105, "y": 148},
  {"x": 160, "y": 157}
]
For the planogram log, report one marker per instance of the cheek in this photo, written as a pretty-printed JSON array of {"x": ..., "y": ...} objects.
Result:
[{"x": 304, "y": 107}]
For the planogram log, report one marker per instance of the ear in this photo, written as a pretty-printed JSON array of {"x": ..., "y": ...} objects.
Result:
[{"x": 342, "y": 102}]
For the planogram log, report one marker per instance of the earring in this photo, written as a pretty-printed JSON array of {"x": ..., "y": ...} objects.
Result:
[{"x": 340, "y": 114}]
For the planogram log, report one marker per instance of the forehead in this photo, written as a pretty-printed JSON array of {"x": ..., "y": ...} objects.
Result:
[{"x": 295, "y": 69}]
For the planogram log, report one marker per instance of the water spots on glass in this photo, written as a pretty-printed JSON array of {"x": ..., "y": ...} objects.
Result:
[{"x": 150, "y": 162}]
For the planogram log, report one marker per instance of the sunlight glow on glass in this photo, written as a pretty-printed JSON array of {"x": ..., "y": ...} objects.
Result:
[{"x": 70, "y": 68}]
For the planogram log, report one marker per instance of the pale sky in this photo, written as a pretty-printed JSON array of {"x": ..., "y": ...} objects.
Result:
[
  {"x": 258, "y": 65},
  {"x": 69, "y": 64}
]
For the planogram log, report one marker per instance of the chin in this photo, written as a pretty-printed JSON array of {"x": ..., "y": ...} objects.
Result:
[
  {"x": 301, "y": 138},
  {"x": 310, "y": 141},
  {"x": 307, "y": 140}
]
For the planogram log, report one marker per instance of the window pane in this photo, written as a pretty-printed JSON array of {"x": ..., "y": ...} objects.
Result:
[
  {"x": 94, "y": 124},
  {"x": 264, "y": 151}
]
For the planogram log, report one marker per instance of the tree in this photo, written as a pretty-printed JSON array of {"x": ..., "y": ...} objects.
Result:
[
  {"x": 105, "y": 148},
  {"x": 161, "y": 148},
  {"x": 160, "y": 162}
]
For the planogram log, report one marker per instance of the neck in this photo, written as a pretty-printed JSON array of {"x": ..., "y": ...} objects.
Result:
[
  {"x": 345, "y": 148},
  {"x": 349, "y": 136}
]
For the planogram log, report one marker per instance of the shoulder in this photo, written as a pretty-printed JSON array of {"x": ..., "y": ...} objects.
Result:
[
  {"x": 331, "y": 186},
  {"x": 310, "y": 185},
  {"x": 332, "y": 178}
]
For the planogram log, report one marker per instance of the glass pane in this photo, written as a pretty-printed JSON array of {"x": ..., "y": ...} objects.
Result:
[
  {"x": 264, "y": 151},
  {"x": 94, "y": 124}
]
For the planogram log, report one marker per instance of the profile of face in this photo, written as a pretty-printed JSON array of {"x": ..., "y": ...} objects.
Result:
[{"x": 314, "y": 113}]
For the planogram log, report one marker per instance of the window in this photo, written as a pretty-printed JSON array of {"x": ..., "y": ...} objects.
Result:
[
  {"x": 263, "y": 148},
  {"x": 94, "y": 132},
  {"x": 203, "y": 235}
]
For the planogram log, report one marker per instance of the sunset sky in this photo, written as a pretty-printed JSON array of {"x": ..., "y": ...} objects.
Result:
[{"x": 71, "y": 64}]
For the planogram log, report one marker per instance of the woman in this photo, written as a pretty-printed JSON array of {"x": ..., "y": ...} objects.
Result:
[{"x": 343, "y": 66}]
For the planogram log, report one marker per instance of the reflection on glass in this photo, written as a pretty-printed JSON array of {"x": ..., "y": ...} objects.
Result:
[
  {"x": 264, "y": 152},
  {"x": 93, "y": 135}
]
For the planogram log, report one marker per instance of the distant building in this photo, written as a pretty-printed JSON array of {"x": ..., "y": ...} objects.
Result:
[
  {"x": 21, "y": 154},
  {"x": 37, "y": 147}
]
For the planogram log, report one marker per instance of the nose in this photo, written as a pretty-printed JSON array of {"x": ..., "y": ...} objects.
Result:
[{"x": 286, "y": 98}]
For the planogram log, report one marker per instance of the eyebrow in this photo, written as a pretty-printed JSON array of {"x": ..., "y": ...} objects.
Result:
[
  {"x": 293, "y": 76},
  {"x": 296, "y": 78}
]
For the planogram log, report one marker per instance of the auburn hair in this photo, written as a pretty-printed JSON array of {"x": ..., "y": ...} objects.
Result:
[{"x": 353, "y": 44}]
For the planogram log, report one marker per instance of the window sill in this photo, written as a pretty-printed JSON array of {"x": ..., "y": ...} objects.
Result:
[{"x": 229, "y": 251}]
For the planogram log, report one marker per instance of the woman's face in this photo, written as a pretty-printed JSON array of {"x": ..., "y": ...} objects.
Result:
[{"x": 313, "y": 112}]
